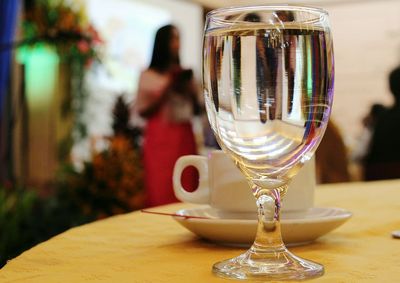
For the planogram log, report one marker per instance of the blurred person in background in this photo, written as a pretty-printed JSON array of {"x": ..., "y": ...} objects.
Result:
[
  {"x": 331, "y": 160},
  {"x": 167, "y": 99},
  {"x": 383, "y": 158},
  {"x": 363, "y": 141}
]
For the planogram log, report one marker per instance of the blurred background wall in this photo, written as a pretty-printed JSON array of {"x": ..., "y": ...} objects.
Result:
[
  {"x": 366, "y": 39},
  {"x": 367, "y": 48}
]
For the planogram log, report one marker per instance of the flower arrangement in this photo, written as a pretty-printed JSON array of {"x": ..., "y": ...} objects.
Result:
[
  {"x": 63, "y": 26},
  {"x": 112, "y": 181},
  {"x": 119, "y": 170}
]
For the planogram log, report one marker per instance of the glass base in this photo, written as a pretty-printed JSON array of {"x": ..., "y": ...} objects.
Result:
[{"x": 273, "y": 265}]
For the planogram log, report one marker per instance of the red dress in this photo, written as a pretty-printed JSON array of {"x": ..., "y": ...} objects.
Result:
[{"x": 165, "y": 140}]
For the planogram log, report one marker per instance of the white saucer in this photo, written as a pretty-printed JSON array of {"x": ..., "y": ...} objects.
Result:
[{"x": 232, "y": 228}]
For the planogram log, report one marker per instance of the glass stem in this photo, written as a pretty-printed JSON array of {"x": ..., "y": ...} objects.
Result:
[{"x": 268, "y": 237}]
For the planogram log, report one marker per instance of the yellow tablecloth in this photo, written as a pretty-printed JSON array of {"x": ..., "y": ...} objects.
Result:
[{"x": 139, "y": 247}]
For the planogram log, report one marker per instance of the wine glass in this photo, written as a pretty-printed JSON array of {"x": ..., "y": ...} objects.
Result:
[{"x": 268, "y": 86}]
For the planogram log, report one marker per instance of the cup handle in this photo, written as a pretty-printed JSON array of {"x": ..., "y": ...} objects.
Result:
[{"x": 202, "y": 193}]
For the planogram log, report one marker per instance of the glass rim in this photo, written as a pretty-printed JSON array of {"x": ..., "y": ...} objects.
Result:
[{"x": 281, "y": 7}]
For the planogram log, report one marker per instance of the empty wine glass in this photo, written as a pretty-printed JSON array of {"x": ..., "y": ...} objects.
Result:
[{"x": 268, "y": 85}]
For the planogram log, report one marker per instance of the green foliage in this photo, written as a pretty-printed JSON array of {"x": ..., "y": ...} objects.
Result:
[
  {"x": 16, "y": 222},
  {"x": 27, "y": 219},
  {"x": 109, "y": 185}
]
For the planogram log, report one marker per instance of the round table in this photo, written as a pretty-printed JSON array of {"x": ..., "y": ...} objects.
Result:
[{"x": 139, "y": 247}]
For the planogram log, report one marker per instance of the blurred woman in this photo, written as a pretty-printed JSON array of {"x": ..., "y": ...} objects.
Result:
[{"x": 167, "y": 99}]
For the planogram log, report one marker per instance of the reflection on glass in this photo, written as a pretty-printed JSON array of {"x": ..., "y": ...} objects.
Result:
[{"x": 268, "y": 84}]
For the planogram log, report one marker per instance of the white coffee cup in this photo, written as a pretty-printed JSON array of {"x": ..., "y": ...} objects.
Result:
[{"x": 223, "y": 186}]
